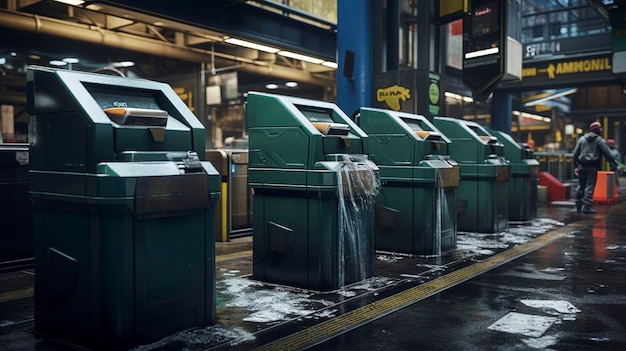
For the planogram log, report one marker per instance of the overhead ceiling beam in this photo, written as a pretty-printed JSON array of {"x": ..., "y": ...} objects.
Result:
[
  {"x": 599, "y": 8},
  {"x": 246, "y": 20},
  {"x": 53, "y": 27}
]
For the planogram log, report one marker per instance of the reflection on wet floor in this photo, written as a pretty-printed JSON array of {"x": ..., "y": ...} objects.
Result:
[{"x": 563, "y": 296}]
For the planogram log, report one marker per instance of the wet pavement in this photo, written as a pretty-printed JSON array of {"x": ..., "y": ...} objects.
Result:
[
  {"x": 555, "y": 283},
  {"x": 568, "y": 295}
]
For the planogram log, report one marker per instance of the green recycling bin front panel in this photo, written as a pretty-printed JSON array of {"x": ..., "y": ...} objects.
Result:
[
  {"x": 483, "y": 199},
  {"x": 139, "y": 296},
  {"x": 524, "y": 178},
  {"x": 123, "y": 210},
  {"x": 523, "y": 193},
  {"x": 420, "y": 221},
  {"x": 146, "y": 265}
]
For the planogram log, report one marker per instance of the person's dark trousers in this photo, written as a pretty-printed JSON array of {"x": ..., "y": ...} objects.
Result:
[{"x": 586, "y": 184}]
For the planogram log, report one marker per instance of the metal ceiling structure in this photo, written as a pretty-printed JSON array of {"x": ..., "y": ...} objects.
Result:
[
  {"x": 167, "y": 40},
  {"x": 103, "y": 33}
]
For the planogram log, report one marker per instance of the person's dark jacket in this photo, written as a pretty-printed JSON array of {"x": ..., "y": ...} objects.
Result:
[{"x": 601, "y": 147}]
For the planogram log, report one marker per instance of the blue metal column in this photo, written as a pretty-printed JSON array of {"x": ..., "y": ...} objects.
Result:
[
  {"x": 355, "y": 33},
  {"x": 502, "y": 111}
]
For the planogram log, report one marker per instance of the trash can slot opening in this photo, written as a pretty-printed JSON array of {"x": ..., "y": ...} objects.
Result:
[
  {"x": 428, "y": 135},
  {"x": 132, "y": 116},
  {"x": 412, "y": 123},
  {"x": 316, "y": 114},
  {"x": 334, "y": 129},
  {"x": 488, "y": 139}
]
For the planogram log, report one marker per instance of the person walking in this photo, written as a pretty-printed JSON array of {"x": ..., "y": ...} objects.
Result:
[
  {"x": 617, "y": 157},
  {"x": 587, "y": 160}
]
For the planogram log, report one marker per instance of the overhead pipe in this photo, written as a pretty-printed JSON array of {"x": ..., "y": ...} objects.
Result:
[
  {"x": 92, "y": 34},
  {"x": 96, "y": 35},
  {"x": 13, "y": 99}
]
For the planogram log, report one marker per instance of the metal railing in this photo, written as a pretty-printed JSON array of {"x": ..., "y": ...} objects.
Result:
[{"x": 559, "y": 164}]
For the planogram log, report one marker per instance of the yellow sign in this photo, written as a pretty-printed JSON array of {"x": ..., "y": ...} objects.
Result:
[
  {"x": 452, "y": 7},
  {"x": 569, "y": 67},
  {"x": 393, "y": 95}
]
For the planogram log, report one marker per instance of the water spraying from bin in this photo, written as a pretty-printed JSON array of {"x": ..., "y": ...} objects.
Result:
[
  {"x": 444, "y": 218},
  {"x": 440, "y": 199},
  {"x": 357, "y": 187}
]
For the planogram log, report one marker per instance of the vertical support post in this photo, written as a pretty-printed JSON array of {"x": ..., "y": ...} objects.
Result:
[
  {"x": 502, "y": 111},
  {"x": 354, "y": 33},
  {"x": 392, "y": 36},
  {"x": 201, "y": 110}
]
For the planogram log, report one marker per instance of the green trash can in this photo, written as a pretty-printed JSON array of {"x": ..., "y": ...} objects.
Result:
[
  {"x": 483, "y": 200},
  {"x": 416, "y": 206},
  {"x": 16, "y": 212},
  {"x": 233, "y": 213},
  {"x": 313, "y": 194},
  {"x": 524, "y": 178},
  {"x": 123, "y": 210}
]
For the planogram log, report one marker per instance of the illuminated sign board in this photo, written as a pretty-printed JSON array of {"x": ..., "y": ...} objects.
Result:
[
  {"x": 567, "y": 46},
  {"x": 483, "y": 41},
  {"x": 567, "y": 69},
  {"x": 564, "y": 72},
  {"x": 452, "y": 9}
]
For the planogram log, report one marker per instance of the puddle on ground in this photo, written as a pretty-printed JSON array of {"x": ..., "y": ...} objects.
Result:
[
  {"x": 389, "y": 258},
  {"x": 487, "y": 243},
  {"x": 541, "y": 343},
  {"x": 267, "y": 302},
  {"x": 559, "y": 306},
  {"x": 524, "y": 324},
  {"x": 198, "y": 339}
]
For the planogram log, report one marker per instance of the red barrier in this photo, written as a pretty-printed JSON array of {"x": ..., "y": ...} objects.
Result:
[{"x": 557, "y": 191}]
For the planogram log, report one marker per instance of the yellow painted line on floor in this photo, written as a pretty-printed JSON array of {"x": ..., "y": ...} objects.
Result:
[
  {"x": 348, "y": 321},
  {"x": 16, "y": 295},
  {"x": 234, "y": 255}
]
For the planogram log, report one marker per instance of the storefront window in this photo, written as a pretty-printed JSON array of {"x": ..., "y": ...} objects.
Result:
[
  {"x": 454, "y": 49},
  {"x": 401, "y": 35},
  {"x": 545, "y": 21},
  {"x": 408, "y": 34}
]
